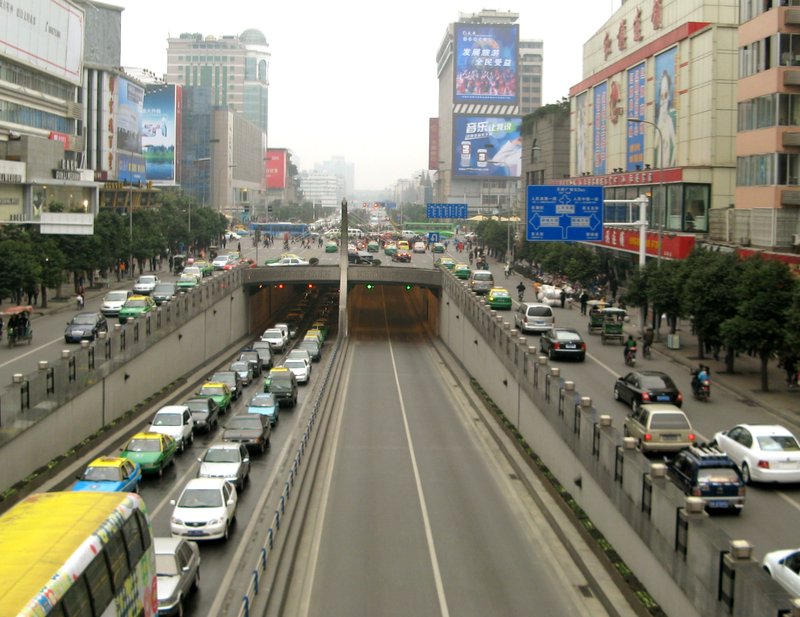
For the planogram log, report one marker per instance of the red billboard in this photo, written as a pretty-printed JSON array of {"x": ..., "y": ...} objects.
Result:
[
  {"x": 276, "y": 169},
  {"x": 673, "y": 246}
]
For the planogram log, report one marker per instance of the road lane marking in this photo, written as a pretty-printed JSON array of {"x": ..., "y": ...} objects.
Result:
[
  {"x": 788, "y": 500},
  {"x": 31, "y": 351}
]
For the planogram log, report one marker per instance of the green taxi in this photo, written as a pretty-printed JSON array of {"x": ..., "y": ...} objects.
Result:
[
  {"x": 438, "y": 247},
  {"x": 206, "y": 268},
  {"x": 462, "y": 271},
  {"x": 372, "y": 246},
  {"x": 499, "y": 298},
  {"x": 151, "y": 451},
  {"x": 187, "y": 281},
  {"x": 390, "y": 249},
  {"x": 445, "y": 262},
  {"x": 331, "y": 247},
  {"x": 219, "y": 392},
  {"x": 135, "y": 306},
  {"x": 322, "y": 326}
]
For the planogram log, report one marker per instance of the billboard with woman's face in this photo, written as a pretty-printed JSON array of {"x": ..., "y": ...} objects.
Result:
[
  {"x": 486, "y": 59},
  {"x": 666, "y": 114}
]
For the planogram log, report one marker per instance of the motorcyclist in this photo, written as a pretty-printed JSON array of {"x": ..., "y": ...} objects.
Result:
[
  {"x": 699, "y": 375},
  {"x": 630, "y": 347},
  {"x": 508, "y": 269},
  {"x": 647, "y": 342},
  {"x": 521, "y": 290}
]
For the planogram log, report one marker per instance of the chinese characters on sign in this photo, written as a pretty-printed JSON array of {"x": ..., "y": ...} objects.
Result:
[
  {"x": 568, "y": 213},
  {"x": 636, "y": 109}
]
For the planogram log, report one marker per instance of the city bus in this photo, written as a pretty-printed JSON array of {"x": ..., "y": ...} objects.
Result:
[
  {"x": 277, "y": 229},
  {"x": 77, "y": 554},
  {"x": 445, "y": 230}
]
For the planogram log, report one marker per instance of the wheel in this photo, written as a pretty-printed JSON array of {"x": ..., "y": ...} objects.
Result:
[
  {"x": 262, "y": 448},
  {"x": 180, "y": 608},
  {"x": 196, "y": 583},
  {"x": 746, "y": 474},
  {"x": 625, "y": 432},
  {"x": 226, "y": 533},
  {"x": 182, "y": 446},
  {"x": 160, "y": 472},
  {"x": 616, "y": 393},
  {"x": 635, "y": 404},
  {"x": 191, "y": 438},
  {"x": 551, "y": 355}
]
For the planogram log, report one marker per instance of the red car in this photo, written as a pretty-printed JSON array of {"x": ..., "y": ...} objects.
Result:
[{"x": 404, "y": 256}]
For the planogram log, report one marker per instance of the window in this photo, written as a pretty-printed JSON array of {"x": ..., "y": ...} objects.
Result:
[
  {"x": 117, "y": 560},
  {"x": 99, "y": 584},
  {"x": 696, "y": 205},
  {"x": 76, "y": 601}
]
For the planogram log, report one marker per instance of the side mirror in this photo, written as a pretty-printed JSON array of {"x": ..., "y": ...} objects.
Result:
[
  {"x": 199, "y": 460},
  {"x": 245, "y": 460},
  {"x": 172, "y": 502},
  {"x": 231, "y": 502}
]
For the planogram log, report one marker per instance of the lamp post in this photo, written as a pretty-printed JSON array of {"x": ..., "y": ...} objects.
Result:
[{"x": 659, "y": 223}]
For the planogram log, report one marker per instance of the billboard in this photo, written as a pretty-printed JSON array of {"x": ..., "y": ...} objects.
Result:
[
  {"x": 634, "y": 159},
  {"x": 486, "y": 59},
  {"x": 128, "y": 122},
  {"x": 433, "y": 143},
  {"x": 599, "y": 130},
  {"x": 159, "y": 136},
  {"x": 276, "y": 169},
  {"x": 484, "y": 146},
  {"x": 46, "y": 35},
  {"x": 666, "y": 114},
  {"x": 581, "y": 129}
]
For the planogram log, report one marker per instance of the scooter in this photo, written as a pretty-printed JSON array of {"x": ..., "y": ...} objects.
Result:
[
  {"x": 701, "y": 388},
  {"x": 630, "y": 356}
]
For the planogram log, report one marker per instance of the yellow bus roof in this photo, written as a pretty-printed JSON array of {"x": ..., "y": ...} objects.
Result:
[{"x": 41, "y": 533}]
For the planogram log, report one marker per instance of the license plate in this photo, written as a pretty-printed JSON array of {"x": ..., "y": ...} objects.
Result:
[
  {"x": 662, "y": 397},
  {"x": 569, "y": 346},
  {"x": 195, "y": 532},
  {"x": 718, "y": 503},
  {"x": 669, "y": 437}
]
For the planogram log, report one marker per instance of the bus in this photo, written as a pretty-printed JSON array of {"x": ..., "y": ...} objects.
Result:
[
  {"x": 276, "y": 229},
  {"x": 78, "y": 554},
  {"x": 445, "y": 230}
]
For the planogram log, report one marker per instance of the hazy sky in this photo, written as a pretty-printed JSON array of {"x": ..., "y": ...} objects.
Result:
[{"x": 356, "y": 78}]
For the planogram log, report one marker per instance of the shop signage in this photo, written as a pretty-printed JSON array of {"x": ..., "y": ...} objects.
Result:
[{"x": 673, "y": 246}]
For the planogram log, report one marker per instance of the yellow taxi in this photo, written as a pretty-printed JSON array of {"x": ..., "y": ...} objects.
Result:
[{"x": 402, "y": 245}]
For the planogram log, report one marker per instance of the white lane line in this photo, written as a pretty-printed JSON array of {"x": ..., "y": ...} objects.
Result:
[
  {"x": 31, "y": 351},
  {"x": 788, "y": 500},
  {"x": 437, "y": 576}
]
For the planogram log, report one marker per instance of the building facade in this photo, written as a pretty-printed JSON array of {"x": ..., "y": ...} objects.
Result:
[
  {"x": 655, "y": 116},
  {"x": 531, "y": 68}
]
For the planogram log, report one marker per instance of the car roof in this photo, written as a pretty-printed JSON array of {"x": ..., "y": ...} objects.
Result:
[
  {"x": 573, "y": 330},
  {"x": 138, "y": 297},
  {"x": 172, "y": 409},
  {"x": 766, "y": 429},
  {"x": 224, "y": 445},
  {"x": 148, "y": 435},
  {"x": 166, "y": 545},
  {"x": 214, "y": 384},
  {"x": 662, "y": 408},
  {"x": 205, "y": 483},
  {"x": 108, "y": 461}
]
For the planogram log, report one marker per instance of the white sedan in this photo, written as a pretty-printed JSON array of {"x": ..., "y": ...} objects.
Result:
[
  {"x": 764, "y": 452},
  {"x": 205, "y": 510},
  {"x": 300, "y": 367},
  {"x": 784, "y": 566},
  {"x": 289, "y": 260}
]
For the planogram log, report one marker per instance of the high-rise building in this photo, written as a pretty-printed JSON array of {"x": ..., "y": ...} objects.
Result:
[
  {"x": 475, "y": 143},
  {"x": 323, "y": 189},
  {"x": 225, "y": 95},
  {"x": 531, "y": 61},
  {"x": 339, "y": 166}
]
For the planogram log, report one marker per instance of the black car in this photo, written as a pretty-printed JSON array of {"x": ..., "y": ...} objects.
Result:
[
  {"x": 164, "y": 292},
  {"x": 205, "y": 413},
  {"x": 710, "y": 474},
  {"x": 360, "y": 257},
  {"x": 232, "y": 380},
  {"x": 265, "y": 353},
  {"x": 250, "y": 429},
  {"x": 563, "y": 342},
  {"x": 85, "y": 327},
  {"x": 639, "y": 387},
  {"x": 252, "y": 356}
]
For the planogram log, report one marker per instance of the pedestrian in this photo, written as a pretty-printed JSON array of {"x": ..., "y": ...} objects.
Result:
[
  {"x": 584, "y": 298},
  {"x": 563, "y": 297}
]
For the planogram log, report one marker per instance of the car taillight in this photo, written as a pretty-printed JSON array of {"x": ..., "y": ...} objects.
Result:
[
  {"x": 556, "y": 345},
  {"x": 679, "y": 397},
  {"x": 583, "y": 346},
  {"x": 763, "y": 464},
  {"x": 645, "y": 396},
  {"x": 648, "y": 437},
  {"x": 741, "y": 491},
  {"x": 696, "y": 491},
  {"x": 691, "y": 436}
]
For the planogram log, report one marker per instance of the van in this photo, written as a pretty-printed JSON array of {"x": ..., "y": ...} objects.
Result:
[
  {"x": 534, "y": 317},
  {"x": 282, "y": 383},
  {"x": 481, "y": 281}
]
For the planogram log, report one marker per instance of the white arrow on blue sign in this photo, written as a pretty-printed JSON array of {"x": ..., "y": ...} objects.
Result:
[{"x": 566, "y": 213}]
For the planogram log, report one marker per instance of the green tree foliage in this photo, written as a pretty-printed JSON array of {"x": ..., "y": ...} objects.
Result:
[
  {"x": 664, "y": 285},
  {"x": 21, "y": 269},
  {"x": 763, "y": 295},
  {"x": 578, "y": 263}
]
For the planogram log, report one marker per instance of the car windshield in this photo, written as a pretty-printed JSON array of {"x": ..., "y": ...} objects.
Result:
[
  {"x": 146, "y": 280},
  {"x": 101, "y": 474},
  {"x": 308, "y": 345},
  {"x": 266, "y": 400},
  {"x": 188, "y": 277},
  {"x": 273, "y": 334},
  {"x": 481, "y": 276},
  {"x": 656, "y": 381},
  {"x": 144, "y": 445},
  {"x": 674, "y": 421},
  {"x": 242, "y": 367},
  {"x": 212, "y": 390},
  {"x": 778, "y": 443},
  {"x": 244, "y": 422},
  {"x": 166, "y": 565},
  {"x": 164, "y": 288},
  {"x": 136, "y": 304},
  {"x": 539, "y": 311},
  {"x": 280, "y": 385},
  {"x": 566, "y": 335},
  {"x": 717, "y": 475},
  {"x": 84, "y": 320},
  {"x": 167, "y": 419},
  {"x": 294, "y": 364},
  {"x": 500, "y": 294},
  {"x": 222, "y": 455},
  {"x": 226, "y": 377},
  {"x": 200, "y": 498},
  {"x": 195, "y": 406},
  {"x": 116, "y": 296}
]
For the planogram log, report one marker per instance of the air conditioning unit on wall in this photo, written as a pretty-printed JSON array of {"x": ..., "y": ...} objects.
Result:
[{"x": 795, "y": 239}]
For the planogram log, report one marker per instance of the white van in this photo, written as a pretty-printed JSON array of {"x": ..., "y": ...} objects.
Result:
[
  {"x": 481, "y": 281},
  {"x": 355, "y": 233},
  {"x": 534, "y": 317}
]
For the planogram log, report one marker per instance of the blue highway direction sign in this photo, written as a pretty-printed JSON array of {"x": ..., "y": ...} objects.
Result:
[
  {"x": 568, "y": 213},
  {"x": 447, "y": 211}
]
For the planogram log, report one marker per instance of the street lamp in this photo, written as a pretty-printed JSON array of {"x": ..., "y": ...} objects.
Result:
[{"x": 661, "y": 215}]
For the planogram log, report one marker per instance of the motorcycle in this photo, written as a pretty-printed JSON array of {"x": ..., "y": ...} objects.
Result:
[
  {"x": 520, "y": 294},
  {"x": 630, "y": 356},
  {"x": 701, "y": 388}
]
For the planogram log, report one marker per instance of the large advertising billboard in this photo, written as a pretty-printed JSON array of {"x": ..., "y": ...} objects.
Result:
[
  {"x": 666, "y": 113},
  {"x": 128, "y": 120},
  {"x": 600, "y": 129},
  {"x": 581, "y": 129},
  {"x": 634, "y": 159},
  {"x": 487, "y": 146},
  {"x": 276, "y": 169},
  {"x": 486, "y": 59},
  {"x": 159, "y": 135},
  {"x": 44, "y": 34}
]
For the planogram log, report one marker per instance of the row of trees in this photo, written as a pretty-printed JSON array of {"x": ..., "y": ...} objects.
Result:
[{"x": 32, "y": 261}]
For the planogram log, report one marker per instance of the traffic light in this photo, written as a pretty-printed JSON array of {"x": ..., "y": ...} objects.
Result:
[
  {"x": 370, "y": 285},
  {"x": 279, "y": 285},
  {"x": 409, "y": 287},
  {"x": 310, "y": 285}
]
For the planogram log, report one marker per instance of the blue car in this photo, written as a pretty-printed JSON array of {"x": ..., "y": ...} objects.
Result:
[
  {"x": 266, "y": 405},
  {"x": 110, "y": 474}
]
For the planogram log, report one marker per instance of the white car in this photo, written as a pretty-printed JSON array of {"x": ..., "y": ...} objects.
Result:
[
  {"x": 289, "y": 261},
  {"x": 145, "y": 284},
  {"x": 113, "y": 301},
  {"x": 302, "y": 354},
  {"x": 300, "y": 367},
  {"x": 178, "y": 573},
  {"x": 763, "y": 452},
  {"x": 230, "y": 461},
  {"x": 175, "y": 421},
  {"x": 276, "y": 338},
  {"x": 194, "y": 271},
  {"x": 419, "y": 247},
  {"x": 205, "y": 510},
  {"x": 784, "y": 566},
  {"x": 220, "y": 261}
]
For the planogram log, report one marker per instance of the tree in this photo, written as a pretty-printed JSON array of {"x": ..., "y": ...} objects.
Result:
[
  {"x": 21, "y": 270},
  {"x": 764, "y": 293},
  {"x": 664, "y": 284},
  {"x": 52, "y": 263}
]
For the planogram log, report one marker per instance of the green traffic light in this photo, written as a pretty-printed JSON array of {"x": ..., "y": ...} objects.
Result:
[
  {"x": 409, "y": 286},
  {"x": 370, "y": 286}
]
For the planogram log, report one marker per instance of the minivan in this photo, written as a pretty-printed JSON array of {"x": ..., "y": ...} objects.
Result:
[
  {"x": 481, "y": 281},
  {"x": 534, "y": 317}
]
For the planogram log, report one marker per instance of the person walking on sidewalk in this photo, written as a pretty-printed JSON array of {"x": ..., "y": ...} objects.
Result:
[{"x": 584, "y": 298}]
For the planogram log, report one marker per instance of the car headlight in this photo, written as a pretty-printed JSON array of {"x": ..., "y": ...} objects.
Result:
[
  {"x": 215, "y": 521},
  {"x": 176, "y": 521}
]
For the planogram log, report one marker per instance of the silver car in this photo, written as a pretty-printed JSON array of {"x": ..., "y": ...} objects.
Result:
[
  {"x": 230, "y": 461},
  {"x": 177, "y": 573}
]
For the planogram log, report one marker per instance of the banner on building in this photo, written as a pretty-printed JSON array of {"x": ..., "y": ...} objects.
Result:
[
  {"x": 486, "y": 62},
  {"x": 600, "y": 129},
  {"x": 634, "y": 160},
  {"x": 665, "y": 109},
  {"x": 276, "y": 169},
  {"x": 159, "y": 134},
  {"x": 485, "y": 146}
]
